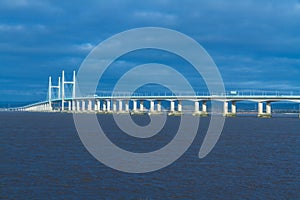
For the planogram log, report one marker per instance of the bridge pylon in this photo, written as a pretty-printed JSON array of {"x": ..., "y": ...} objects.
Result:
[
  {"x": 64, "y": 82},
  {"x": 50, "y": 87}
]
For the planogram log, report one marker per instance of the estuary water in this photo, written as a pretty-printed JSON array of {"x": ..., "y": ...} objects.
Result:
[{"x": 42, "y": 157}]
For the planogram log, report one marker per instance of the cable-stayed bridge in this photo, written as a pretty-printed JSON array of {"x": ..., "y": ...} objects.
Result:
[{"x": 135, "y": 104}]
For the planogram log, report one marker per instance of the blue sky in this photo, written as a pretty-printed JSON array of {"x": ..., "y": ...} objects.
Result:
[{"x": 255, "y": 44}]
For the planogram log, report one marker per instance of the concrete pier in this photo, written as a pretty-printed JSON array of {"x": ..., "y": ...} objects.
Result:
[
  {"x": 172, "y": 106},
  {"x": 179, "y": 106},
  {"x": 151, "y": 106},
  {"x": 203, "y": 111},
  {"x": 261, "y": 112},
  {"x": 104, "y": 106},
  {"x": 69, "y": 106},
  {"x": 89, "y": 105},
  {"x": 134, "y": 105},
  {"x": 174, "y": 112},
  {"x": 233, "y": 107},
  {"x": 141, "y": 105},
  {"x": 77, "y": 105},
  {"x": 83, "y": 105},
  {"x": 73, "y": 106},
  {"x": 196, "y": 106},
  {"x": 140, "y": 110},
  {"x": 108, "y": 106},
  {"x": 232, "y": 112},
  {"x": 127, "y": 106},
  {"x": 120, "y": 106},
  {"x": 158, "y": 106},
  {"x": 114, "y": 106},
  {"x": 98, "y": 105}
]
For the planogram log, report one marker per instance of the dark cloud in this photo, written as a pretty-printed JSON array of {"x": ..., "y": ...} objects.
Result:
[{"x": 256, "y": 44}]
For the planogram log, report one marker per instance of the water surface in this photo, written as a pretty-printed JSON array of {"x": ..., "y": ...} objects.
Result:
[{"x": 42, "y": 157}]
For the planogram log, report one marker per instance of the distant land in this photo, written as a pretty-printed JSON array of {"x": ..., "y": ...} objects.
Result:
[{"x": 12, "y": 104}]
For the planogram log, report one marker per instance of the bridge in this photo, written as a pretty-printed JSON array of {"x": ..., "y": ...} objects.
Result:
[{"x": 134, "y": 104}]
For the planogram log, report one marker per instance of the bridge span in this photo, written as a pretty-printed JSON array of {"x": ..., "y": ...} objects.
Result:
[{"x": 134, "y": 104}]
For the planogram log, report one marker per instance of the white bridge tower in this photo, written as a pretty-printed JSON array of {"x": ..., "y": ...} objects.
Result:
[
  {"x": 50, "y": 91},
  {"x": 73, "y": 83}
]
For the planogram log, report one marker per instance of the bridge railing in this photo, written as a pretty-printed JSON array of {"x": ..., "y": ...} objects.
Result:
[{"x": 227, "y": 93}]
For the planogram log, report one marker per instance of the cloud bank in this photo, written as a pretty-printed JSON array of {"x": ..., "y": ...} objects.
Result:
[{"x": 256, "y": 44}]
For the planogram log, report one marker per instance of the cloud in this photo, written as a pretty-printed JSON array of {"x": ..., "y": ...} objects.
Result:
[
  {"x": 297, "y": 6},
  {"x": 21, "y": 5},
  {"x": 255, "y": 85},
  {"x": 154, "y": 17},
  {"x": 85, "y": 47},
  {"x": 8, "y": 28},
  {"x": 254, "y": 43},
  {"x": 22, "y": 28},
  {"x": 15, "y": 3}
]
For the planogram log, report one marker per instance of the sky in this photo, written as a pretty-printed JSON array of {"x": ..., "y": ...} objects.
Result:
[{"x": 255, "y": 44}]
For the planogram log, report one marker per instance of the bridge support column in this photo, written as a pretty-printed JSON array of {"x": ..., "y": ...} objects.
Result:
[
  {"x": 89, "y": 105},
  {"x": 69, "y": 106},
  {"x": 203, "y": 112},
  {"x": 120, "y": 106},
  {"x": 134, "y": 105},
  {"x": 77, "y": 105},
  {"x": 73, "y": 105},
  {"x": 225, "y": 108},
  {"x": 179, "y": 106},
  {"x": 260, "y": 108},
  {"x": 83, "y": 105},
  {"x": 261, "y": 112},
  {"x": 151, "y": 106},
  {"x": 233, "y": 107},
  {"x": 108, "y": 105},
  {"x": 196, "y": 110},
  {"x": 104, "y": 106},
  {"x": 172, "y": 106},
  {"x": 159, "y": 106},
  {"x": 268, "y": 108},
  {"x": 114, "y": 106},
  {"x": 204, "y": 107},
  {"x": 232, "y": 113},
  {"x": 127, "y": 106},
  {"x": 141, "y": 105},
  {"x": 98, "y": 103},
  {"x": 95, "y": 105}
]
